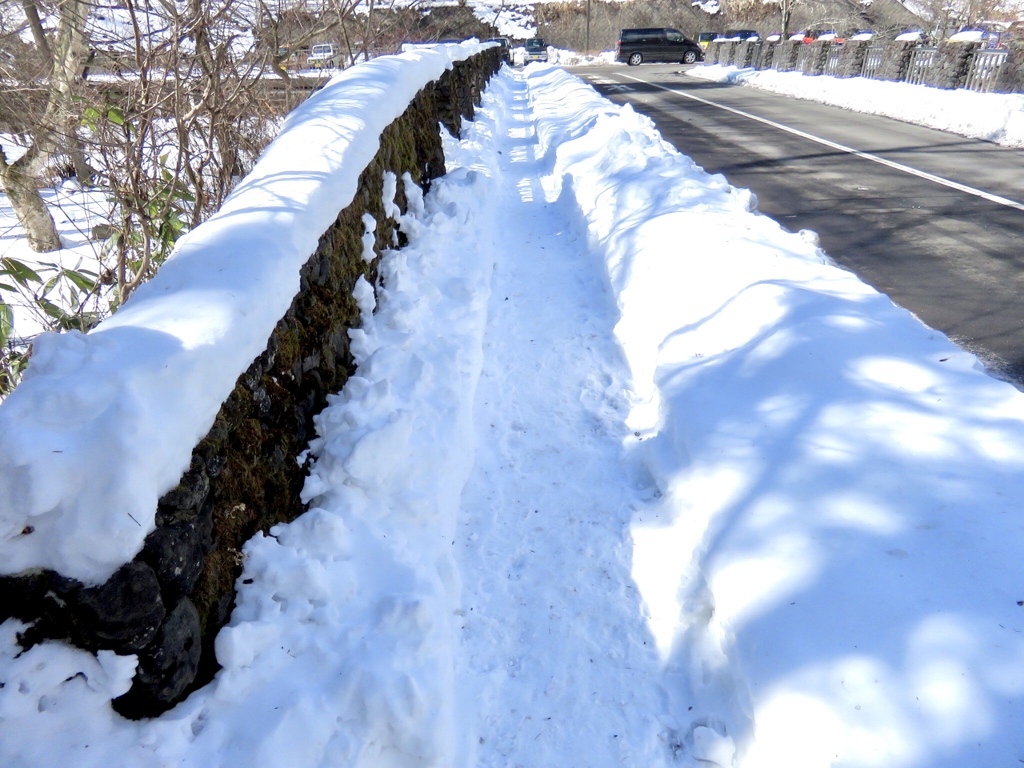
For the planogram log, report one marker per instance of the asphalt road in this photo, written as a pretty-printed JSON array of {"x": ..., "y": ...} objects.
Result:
[{"x": 953, "y": 257}]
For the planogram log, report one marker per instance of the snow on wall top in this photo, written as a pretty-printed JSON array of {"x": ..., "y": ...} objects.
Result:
[{"x": 104, "y": 423}]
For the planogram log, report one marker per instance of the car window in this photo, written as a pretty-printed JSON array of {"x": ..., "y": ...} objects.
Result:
[{"x": 675, "y": 37}]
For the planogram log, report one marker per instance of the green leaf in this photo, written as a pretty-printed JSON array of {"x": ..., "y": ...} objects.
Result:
[
  {"x": 49, "y": 284},
  {"x": 90, "y": 117},
  {"x": 51, "y": 309},
  {"x": 22, "y": 273},
  {"x": 6, "y": 323},
  {"x": 81, "y": 280},
  {"x": 115, "y": 115}
]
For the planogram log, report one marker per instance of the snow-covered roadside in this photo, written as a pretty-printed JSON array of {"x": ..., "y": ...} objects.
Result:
[
  {"x": 835, "y": 560},
  {"x": 997, "y": 117}
]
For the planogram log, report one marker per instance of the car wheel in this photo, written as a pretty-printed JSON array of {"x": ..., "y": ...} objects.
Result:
[
  {"x": 634, "y": 59},
  {"x": 689, "y": 57}
]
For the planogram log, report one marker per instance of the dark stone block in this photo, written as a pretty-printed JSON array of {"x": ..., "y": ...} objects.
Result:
[
  {"x": 190, "y": 493},
  {"x": 124, "y": 614},
  {"x": 851, "y": 58},
  {"x": 167, "y": 667},
  {"x": 952, "y": 63},
  {"x": 176, "y": 552}
]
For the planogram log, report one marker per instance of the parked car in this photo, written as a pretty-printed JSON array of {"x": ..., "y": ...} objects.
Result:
[
  {"x": 825, "y": 34},
  {"x": 536, "y": 50},
  {"x": 636, "y": 46},
  {"x": 324, "y": 56},
  {"x": 506, "y": 47},
  {"x": 704, "y": 38},
  {"x": 741, "y": 34}
]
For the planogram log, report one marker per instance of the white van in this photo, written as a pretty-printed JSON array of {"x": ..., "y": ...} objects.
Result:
[{"x": 324, "y": 56}]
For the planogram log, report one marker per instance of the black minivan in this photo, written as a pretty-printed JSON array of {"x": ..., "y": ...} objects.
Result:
[{"x": 636, "y": 46}]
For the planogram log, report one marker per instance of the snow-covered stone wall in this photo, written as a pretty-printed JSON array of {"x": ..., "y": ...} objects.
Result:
[{"x": 136, "y": 460}]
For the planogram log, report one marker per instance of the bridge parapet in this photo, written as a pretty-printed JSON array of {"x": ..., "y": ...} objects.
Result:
[{"x": 243, "y": 358}]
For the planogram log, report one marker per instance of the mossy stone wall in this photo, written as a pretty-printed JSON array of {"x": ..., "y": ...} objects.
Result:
[{"x": 168, "y": 604}]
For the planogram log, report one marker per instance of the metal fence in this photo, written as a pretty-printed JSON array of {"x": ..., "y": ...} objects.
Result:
[
  {"x": 758, "y": 56},
  {"x": 921, "y": 60},
  {"x": 832, "y": 61},
  {"x": 983, "y": 74},
  {"x": 984, "y": 71},
  {"x": 873, "y": 58},
  {"x": 802, "y": 57}
]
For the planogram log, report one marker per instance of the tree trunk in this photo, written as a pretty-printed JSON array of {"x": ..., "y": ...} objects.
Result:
[
  {"x": 55, "y": 129},
  {"x": 29, "y": 207}
]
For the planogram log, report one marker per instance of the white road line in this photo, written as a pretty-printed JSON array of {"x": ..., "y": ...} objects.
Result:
[{"x": 850, "y": 150}]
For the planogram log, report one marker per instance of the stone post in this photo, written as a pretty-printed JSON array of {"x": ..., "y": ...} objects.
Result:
[
  {"x": 896, "y": 60},
  {"x": 768, "y": 55},
  {"x": 952, "y": 63},
  {"x": 1011, "y": 74},
  {"x": 851, "y": 58},
  {"x": 728, "y": 53},
  {"x": 713, "y": 52},
  {"x": 786, "y": 54},
  {"x": 815, "y": 63}
]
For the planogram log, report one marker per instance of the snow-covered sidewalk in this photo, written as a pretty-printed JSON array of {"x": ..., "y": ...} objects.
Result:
[
  {"x": 557, "y": 665},
  {"x": 628, "y": 475}
]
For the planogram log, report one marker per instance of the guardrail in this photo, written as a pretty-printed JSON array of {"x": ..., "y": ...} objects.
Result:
[
  {"x": 921, "y": 61},
  {"x": 873, "y": 58},
  {"x": 832, "y": 61},
  {"x": 984, "y": 71}
]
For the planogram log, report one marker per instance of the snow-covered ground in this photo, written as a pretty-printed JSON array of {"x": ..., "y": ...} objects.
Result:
[
  {"x": 629, "y": 476},
  {"x": 997, "y": 117}
]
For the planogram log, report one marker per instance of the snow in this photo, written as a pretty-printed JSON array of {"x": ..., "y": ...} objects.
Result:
[
  {"x": 631, "y": 476},
  {"x": 996, "y": 117},
  {"x": 967, "y": 36}
]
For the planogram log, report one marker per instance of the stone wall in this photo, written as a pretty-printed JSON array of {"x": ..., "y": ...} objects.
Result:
[
  {"x": 745, "y": 53},
  {"x": 168, "y": 604},
  {"x": 786, "y": 54},
  {"x": 768, "y": 55},
  {"x": 727, "y": 52}
]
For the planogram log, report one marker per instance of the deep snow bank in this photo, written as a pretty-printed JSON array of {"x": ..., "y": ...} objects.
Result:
[
  {"x": 835, "y": 564},
  {"x": 997, "y": 117}
]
